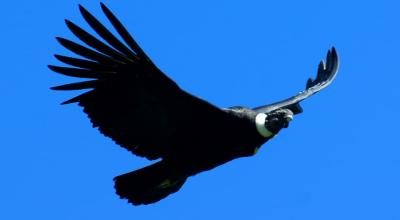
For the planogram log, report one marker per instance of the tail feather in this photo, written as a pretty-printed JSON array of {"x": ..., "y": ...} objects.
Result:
[{"x": 148, "y": 185}]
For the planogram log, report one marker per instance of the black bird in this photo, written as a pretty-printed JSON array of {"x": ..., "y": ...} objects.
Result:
[{"x": 133, "y": 102}]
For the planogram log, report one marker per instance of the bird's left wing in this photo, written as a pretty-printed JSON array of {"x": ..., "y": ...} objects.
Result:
[
  {"x": 325, "y": 75},
  {"x": 130, "y": 100}
]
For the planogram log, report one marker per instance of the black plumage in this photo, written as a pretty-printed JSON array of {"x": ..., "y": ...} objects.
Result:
[{"x": 131, "y": 101}]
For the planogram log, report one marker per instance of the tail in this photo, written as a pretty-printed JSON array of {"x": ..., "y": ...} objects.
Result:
[{"x": 148, "y": 185}]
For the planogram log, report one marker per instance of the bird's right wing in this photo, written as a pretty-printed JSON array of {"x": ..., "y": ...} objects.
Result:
[
  {"x": 129, "y": 99},
  {"x": 325, "y": 75}
]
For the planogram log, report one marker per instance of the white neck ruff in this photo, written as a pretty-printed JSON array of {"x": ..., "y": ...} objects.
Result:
[{"x": 260, "y": 125}]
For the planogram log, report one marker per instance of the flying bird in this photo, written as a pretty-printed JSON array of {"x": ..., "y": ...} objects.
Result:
[{"x": 134, "y": 103}]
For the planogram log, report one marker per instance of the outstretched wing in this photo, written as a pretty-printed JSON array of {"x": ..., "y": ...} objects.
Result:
[
  {"x": 130, "y": 99},
  {"x": 325, "y": 75}
]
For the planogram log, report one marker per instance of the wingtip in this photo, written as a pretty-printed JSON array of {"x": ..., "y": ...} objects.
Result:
[
  {"x": 335, "y": 58},
  {"x": 69, "y": 23},
  {"x": 104, "y": 7},
  {"x": 68, "y": 102},
  {"x": 328, "y": 55},
  {"x": 57, "y": 88},
  {"x": 80, "y": 6},
  {"x": 51, "y": 67},
  {"x": 309, "y": 83},
  {"x": 61, "y": 40},
  {"x": 322, "y": 65},
  {"x": 334, "y": 52},
  {"x": 107, "y": 11},
  {"x": 83, "y": 10},
  {"x": 54, "y": 88},
  {"x": 57, "y": 56}
]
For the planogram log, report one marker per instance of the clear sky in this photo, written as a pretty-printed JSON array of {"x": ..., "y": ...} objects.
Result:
[{"x": 337, "y": 160}]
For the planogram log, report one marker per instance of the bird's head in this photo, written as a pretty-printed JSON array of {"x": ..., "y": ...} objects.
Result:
[{"x": 269, "y": 124}]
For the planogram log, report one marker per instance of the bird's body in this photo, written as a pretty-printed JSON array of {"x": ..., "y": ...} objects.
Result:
[
  {"x": 141, "y": 109},
  {"x": 215, "y": 141},
  {"x": 212, "y": 142}
]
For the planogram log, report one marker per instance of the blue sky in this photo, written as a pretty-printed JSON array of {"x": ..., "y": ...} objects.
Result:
[{"x": 338, "y": 160}]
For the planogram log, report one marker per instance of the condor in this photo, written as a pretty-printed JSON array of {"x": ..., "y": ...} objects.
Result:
[{"x": 133, "y": 102}]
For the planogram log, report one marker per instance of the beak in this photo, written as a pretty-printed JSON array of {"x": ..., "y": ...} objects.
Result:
[{"x": 289, "y": 118}]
